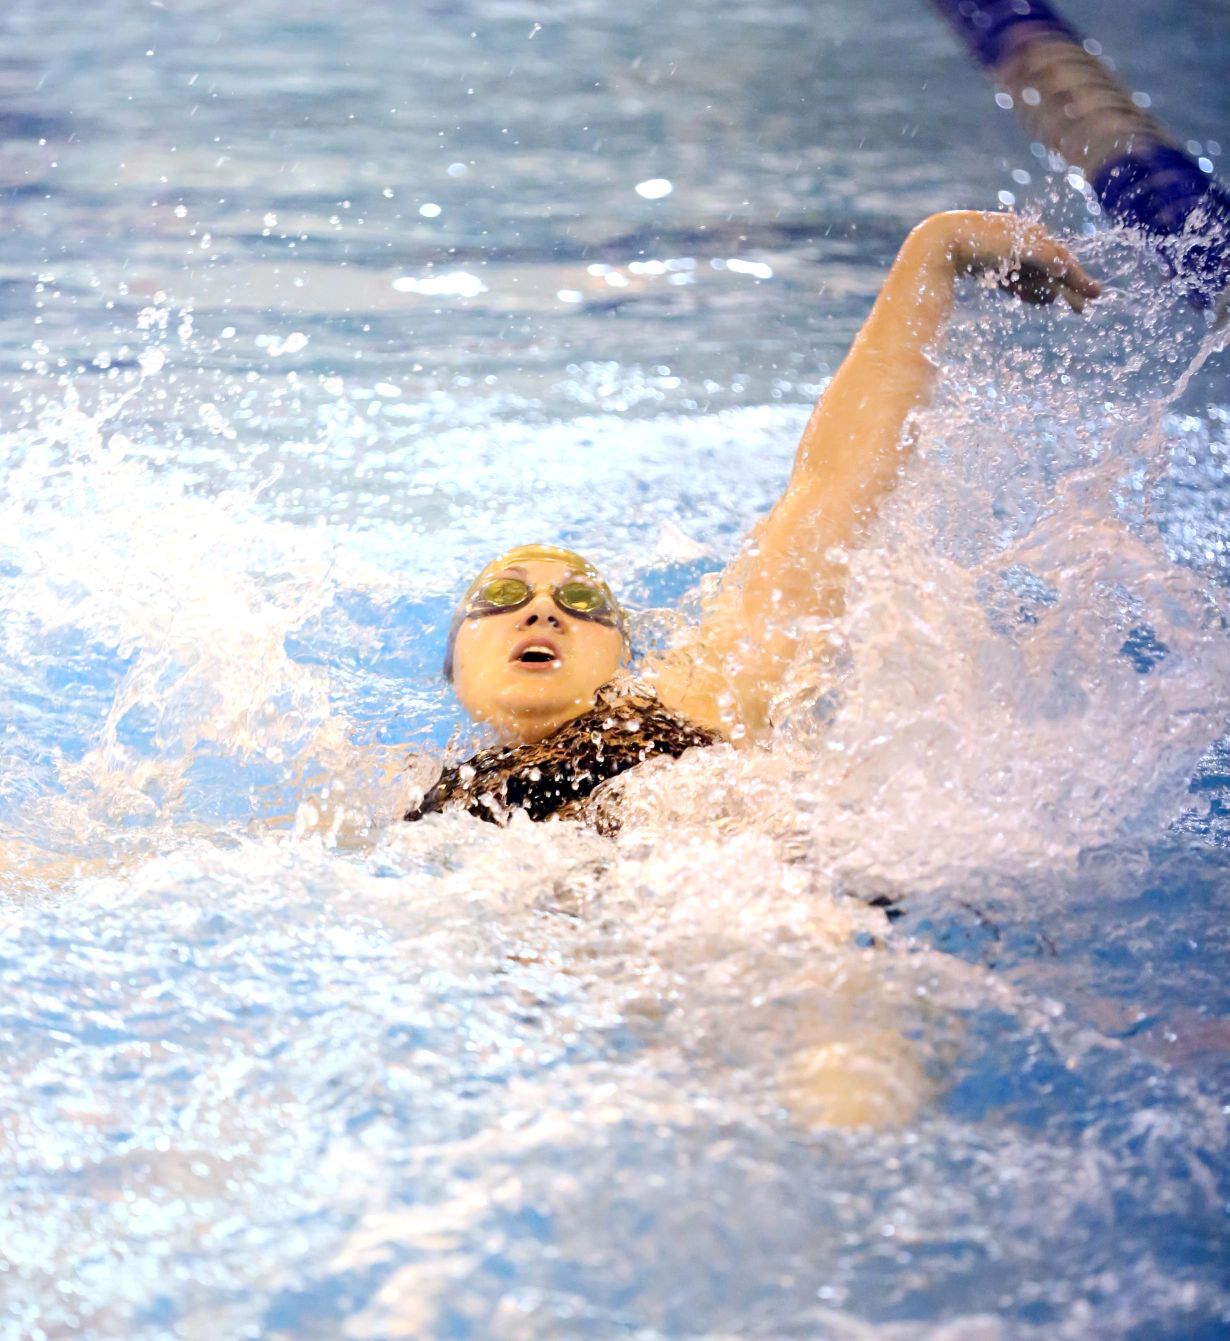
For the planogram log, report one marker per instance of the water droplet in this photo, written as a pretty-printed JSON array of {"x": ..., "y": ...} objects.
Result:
[
  {"x": 757, "y": 269},
  {"x": 454, "y": 284}
]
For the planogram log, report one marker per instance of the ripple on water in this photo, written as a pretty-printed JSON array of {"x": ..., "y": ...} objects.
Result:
[
  {"x": 536, "y": 1083},
  {"x": 911, "y": 1027}
]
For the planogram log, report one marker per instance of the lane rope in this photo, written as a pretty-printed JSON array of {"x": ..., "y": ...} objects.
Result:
[{"x": 1071, "y": 102}]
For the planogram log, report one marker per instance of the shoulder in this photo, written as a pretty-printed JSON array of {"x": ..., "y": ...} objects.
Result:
[
  {"x": 691, "y": 682},
  {"x": 625, "y": 692},
  {"x": 633, "y": 704}
]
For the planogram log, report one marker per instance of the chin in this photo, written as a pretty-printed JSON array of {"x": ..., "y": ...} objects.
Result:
[
  {"x": 510, "y": 702},
  {"x": 547, "y": 697},
  {"x": 544, "y": 701}
]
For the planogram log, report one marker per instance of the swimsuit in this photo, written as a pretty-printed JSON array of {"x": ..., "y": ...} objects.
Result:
[{"x": 559, "y": 775}]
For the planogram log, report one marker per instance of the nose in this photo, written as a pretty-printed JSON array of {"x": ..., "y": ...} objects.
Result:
[{"x": 541, "y": 610}]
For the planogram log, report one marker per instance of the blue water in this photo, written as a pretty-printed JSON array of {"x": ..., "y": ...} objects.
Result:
[{"x": 915, "y": 1026}]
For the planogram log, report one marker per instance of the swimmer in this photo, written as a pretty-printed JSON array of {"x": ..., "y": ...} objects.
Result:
[{"x": 538, "y": 649}]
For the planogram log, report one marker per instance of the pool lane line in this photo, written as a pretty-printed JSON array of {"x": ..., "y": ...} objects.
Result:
[{"x": 1073, "y": 104}]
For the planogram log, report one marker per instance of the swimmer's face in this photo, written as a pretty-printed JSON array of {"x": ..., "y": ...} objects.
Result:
[{"x": 528, "y": 671}]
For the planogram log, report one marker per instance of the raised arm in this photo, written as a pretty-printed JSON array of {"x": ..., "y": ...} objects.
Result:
[{"x": 791, "y": 568}]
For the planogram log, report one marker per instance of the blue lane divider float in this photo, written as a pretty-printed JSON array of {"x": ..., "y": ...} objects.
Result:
[{"x": 1074, "y": 105}]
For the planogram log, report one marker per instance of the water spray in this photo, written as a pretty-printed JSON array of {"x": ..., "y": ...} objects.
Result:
[{"x": 1071, "y": 102}]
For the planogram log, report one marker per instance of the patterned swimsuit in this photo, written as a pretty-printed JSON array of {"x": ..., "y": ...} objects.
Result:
[{"x": 561, "y": 774}]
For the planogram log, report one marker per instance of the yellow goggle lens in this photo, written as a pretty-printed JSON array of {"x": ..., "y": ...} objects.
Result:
[
  {"x": 579, "y": 596},
  {"x": 504, "y": 591}
]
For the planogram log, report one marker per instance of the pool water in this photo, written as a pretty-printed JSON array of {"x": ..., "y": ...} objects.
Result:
[{"x": 914, "y": 1025}]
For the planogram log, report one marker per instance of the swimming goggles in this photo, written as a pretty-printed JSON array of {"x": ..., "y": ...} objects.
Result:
[{"x": 585, "y": 600}]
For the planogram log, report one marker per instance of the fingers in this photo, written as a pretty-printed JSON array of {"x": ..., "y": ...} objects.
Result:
[
  {"x": 1029, "y": 281},
  {"x": 1023, "y": 257},
  {"x": 1080, "y": 283},
  {"x": 1047, "y": 270},
  {"x": 1076, "y": 286}
]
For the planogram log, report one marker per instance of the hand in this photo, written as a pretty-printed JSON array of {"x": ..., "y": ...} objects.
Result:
[{"x": 1023, "y": 257}]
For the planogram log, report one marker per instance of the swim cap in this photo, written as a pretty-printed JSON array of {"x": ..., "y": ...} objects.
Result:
[{"x": 531, "y": 553}]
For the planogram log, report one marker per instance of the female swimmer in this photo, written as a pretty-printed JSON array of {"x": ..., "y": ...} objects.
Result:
[{"x": 538, "y": 640}]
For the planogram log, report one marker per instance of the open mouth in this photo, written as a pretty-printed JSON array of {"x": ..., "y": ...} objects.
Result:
[{"x": 536, "y": 653}]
